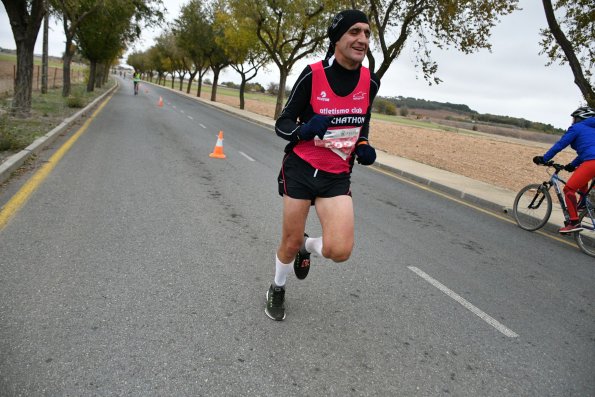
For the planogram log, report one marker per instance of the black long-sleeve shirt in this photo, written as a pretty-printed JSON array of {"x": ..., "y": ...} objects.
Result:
[{"x": 298, "y": 110}]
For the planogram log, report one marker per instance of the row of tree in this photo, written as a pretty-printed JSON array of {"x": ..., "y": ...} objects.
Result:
[
  {"x": 250, "y": 34},
  {"x": 99, "y": 29},
  {"x": 415, "y": 103},
  {"x": 517, "y": 122},
  {"x": 204, "y": 37},
  {"x": 404, "y": 105}
]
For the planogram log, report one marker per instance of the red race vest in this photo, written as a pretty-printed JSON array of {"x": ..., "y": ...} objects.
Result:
[{"x": 333, "y": 152}]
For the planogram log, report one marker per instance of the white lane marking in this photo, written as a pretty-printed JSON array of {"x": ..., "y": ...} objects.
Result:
[
  {"x": 181, "y": 111},
  {"x": 485, "y": 317},
  {"x": 202, "y": 125},
  {"x": 190, "y": 117},
  {"x": 248, "y": 157}
]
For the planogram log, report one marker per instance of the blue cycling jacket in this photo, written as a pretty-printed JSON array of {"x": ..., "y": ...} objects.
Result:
[{"x": 581, "y": 137}]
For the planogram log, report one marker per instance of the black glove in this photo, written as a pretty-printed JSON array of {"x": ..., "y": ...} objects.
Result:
[
  {"x": 366, "y": 154},
  {"x": 569, "y": 167},
  {"x": 538, "y": 160},
  {"x": 315, "y": 127}
]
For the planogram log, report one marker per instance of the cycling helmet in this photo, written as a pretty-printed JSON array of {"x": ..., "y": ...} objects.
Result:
[{"x": 583, "y": 112}]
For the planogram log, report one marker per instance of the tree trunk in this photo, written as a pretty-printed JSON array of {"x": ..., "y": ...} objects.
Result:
[
  {"x": 281, "y": 95},
  {"x": 199, "y": 89},
  {"x": 91, "y": 81},
  {"x": 25, "y": 28},
  {"x": 242, "y": 89},
  {"x": 371, "y": 61},
  {"x": 99, "y": 75},
  {"x": 192, "y": 76},
  {"x": 23, "y": 84},
  {"x": 215, "y": 82},
  {"x": 68, "y": 54},
  {"x": 566, "y": 46},
  {"x": 105, "y": 74},
  {"x": 45, "y": 58}
]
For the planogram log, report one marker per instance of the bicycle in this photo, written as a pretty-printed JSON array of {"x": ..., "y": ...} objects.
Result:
[{"x": 532, "y": 208}]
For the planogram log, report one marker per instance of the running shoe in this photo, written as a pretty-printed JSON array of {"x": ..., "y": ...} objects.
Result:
[
  {"x": 301, "y": 264},
  {"x": 571, "y": 228},
  {"x": 275, "y": 303}
]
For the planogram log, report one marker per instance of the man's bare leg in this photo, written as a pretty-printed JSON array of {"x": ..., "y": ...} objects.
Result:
[{"x": 337, "y": 221}]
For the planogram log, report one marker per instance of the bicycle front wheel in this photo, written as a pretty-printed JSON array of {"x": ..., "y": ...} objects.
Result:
[
  {"x": 585, "y": 239},
  {"x": 532, "y": 207}
]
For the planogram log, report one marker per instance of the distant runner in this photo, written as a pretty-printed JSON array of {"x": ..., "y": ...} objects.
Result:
[{"x": 136, "y": 80}]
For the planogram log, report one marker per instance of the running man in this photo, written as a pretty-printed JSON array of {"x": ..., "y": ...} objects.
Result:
[
  {"x": 326, "y": 121},
  {"x": 136, "y": 80}
]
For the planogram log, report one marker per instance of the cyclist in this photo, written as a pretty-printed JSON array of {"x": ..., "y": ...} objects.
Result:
[
  {"x": 332, "y": 100},
  {"x": 581, "y": 137},
  {"x": 136, "y": 80}
]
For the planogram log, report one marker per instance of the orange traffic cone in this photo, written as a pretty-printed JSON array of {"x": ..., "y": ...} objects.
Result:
[
  {"x": 218, "y": 152},
  {"x": 160, "y": 103}
]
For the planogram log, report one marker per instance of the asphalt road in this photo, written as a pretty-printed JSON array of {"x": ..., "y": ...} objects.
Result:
[{"x": 139, "y": 267}]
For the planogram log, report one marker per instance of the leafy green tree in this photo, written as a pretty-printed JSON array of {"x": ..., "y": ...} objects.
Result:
[
  {"x": 244, "y": 51},
  {"x": 157, "y": 63},
  {"x": 195, "y": 38},
  {"x": 173, "y": 57},
  {"x": 74, "y": 12},
  {"x": 25, "y": 20},
  {"x": 218, "y": 58},
  {"x": 572, "y": 41},
  {"x": 139, "y": 61},
  {"x": 289, "y": 30},
  {"x": 102, "y": 38}
]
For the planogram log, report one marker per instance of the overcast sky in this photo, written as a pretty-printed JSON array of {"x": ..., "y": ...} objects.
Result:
[{"x": 512, "y": 80}]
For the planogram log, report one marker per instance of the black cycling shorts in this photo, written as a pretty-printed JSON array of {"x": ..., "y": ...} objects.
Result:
[{"x": 299, "y": 180}]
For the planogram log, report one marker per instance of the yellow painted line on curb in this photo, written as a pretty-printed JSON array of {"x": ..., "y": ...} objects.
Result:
[
  {"x": 20, "y": 198},
  {"x": 459, "y": 201}
]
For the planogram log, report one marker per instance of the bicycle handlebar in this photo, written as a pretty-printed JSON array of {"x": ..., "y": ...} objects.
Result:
[{"x": 556, "y": 166}]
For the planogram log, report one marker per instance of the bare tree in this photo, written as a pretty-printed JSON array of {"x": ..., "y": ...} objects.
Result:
[
  {"x": 289, "y": 31},
  {"x": 575, "y": 47},
  {"x": 462, "y": 24}
]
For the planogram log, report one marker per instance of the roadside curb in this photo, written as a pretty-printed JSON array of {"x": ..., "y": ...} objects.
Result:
[
  {"x": 15, "y": 161},
  {"x": 448, "y": 190}
]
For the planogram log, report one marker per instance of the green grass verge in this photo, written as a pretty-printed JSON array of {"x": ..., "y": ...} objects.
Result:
[{"x": 47, "y": 111}]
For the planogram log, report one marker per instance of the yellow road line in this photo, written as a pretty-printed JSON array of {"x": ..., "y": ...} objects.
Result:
[
  {"x": 456, "y": 200},
  {"x": 21, "y": 197}
]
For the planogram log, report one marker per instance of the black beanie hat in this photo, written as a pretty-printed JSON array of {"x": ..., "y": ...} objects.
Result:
[{"x": 341, "y": 24}]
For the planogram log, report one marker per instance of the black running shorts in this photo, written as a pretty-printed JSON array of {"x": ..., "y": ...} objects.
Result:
[{"x": 299, "y": 180}]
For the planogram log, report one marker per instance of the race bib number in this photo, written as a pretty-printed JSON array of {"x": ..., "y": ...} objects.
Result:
[{"x": 341, "y": 140}]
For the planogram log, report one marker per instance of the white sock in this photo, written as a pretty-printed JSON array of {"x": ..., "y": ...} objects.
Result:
[
  {"x": 281, "y": 271},
  {"x": 314, "y": 244}
]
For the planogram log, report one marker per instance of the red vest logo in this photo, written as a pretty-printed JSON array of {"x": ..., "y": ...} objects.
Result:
[
  {"x": 322, "y": 96},
  {"x": 358, "y": 96}
]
